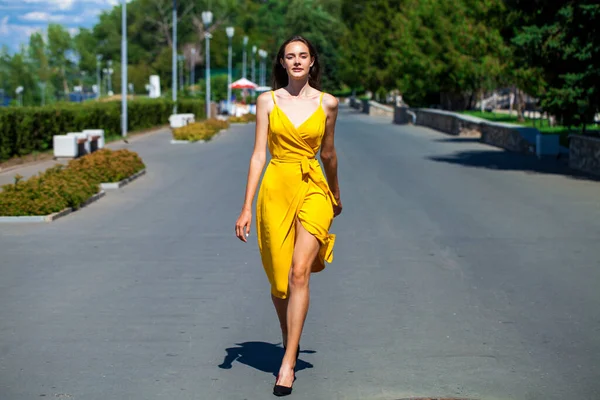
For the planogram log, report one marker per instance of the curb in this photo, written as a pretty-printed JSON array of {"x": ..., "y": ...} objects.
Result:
[
  {"x": 50, "y": 217},
  {"x": 117, "y": 185},
  {"x": 174, "y": 141}
]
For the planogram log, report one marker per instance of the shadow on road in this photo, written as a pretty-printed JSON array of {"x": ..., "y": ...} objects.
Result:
[
  {"x": 263, "y": 356},
  {"x": 509, "y": 161}
]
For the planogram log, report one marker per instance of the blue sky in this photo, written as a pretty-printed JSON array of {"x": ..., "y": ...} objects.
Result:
[{"x": 20, "y": 18}]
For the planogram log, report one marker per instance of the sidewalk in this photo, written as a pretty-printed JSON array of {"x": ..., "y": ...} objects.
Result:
[{"x": 33, "y": 168}]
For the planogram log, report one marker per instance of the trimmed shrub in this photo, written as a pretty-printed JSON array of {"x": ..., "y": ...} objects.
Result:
[
  {"x": 63, "y": 186},
  {"x": 24, "y": 130},
  {"x": 243, "y": 118},
  {"x": 204, "y": 130}
]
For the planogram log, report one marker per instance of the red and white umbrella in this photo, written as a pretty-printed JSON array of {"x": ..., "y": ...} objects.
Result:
[{"x": 243, "y": 84}]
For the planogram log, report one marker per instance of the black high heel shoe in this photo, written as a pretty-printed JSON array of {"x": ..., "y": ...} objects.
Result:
[{"x": 280, "y": 390}]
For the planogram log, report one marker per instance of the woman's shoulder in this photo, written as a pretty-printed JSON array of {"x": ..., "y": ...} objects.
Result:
[{"x": 330, "y": 101}]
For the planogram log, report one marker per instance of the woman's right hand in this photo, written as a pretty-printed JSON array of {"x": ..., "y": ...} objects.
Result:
[{"x": 242, "y": 225}]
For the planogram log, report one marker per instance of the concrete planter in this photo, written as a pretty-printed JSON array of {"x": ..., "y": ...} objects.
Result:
[
  {"x": 49, "y": 217},
  {"x": 117, "y": 185},
  {"x": 584, "y": 154}
]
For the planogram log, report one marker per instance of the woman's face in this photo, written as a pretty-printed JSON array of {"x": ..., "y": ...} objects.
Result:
[{"x": 297, "y": 60}]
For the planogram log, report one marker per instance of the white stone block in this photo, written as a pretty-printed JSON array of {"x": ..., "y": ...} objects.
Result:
[
  {"x": 179, "y": 120},
  {"x": 96, "y": 132},
  {"x": 547, "y": 145},
  {"x": 64, "y": 146},
  {"x": 81, "y": 135}
]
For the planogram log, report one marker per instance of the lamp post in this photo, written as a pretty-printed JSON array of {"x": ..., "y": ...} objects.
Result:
[
  {"x": 192, "y": 69},
  {"x": 207, "y": 20},
  {"x": 244, "y": 57},
  {"x": 174, "y": 58},
  {"x": 124, "y": 68},
  {"x": 98, "y": 59},
  {"x": 229, "y": 31},
  {"x": 263, "y": 55},
  {"x": 253, "y": 62},
  {"x": 110, "y": 72},
  {"x": 181, "y": 59},
  {"x": 42, "y": 86}
]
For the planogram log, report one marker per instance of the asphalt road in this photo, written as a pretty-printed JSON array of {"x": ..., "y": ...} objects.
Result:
[{"x": 460, "y": 270}]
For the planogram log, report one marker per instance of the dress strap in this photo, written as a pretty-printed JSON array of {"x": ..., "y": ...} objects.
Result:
[
  {"x": 273, "y": 95},
  {"x": 321, "y": 99}
]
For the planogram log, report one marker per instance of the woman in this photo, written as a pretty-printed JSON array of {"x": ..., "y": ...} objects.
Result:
[{"x": 295, "y": 205}]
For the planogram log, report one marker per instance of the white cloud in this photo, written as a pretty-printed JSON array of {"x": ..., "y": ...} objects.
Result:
[
  {"x": 60, "y": 4},
  {"x": 42, "y": 16},
  {"x": 4, "y": 26}
]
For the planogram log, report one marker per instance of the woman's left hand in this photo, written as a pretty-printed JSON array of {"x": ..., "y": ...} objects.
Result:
[{"x": 337, "y": 210}]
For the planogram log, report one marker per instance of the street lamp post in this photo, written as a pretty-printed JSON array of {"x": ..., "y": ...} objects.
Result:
[
  {"x": 263, "y": 55},
  {"x": 174, "y": 60},
  {"x": 42, "y": 86},
  {"x": 98, "y": 59},
  {"x": 192, "y": 69},
  {"x": 181, "y": 59},
  {"x": 229, "y": 31},
  {"x": 124, "y": 68},
  {"x": 244, "y": 57},
  {"x": 253, "y": 62},
  {"x": 110, "y": 72},
  {"x": 207, "y": 20}
]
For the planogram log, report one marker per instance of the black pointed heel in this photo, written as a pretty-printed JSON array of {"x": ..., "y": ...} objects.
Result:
[{"x": 280, "y": 390}]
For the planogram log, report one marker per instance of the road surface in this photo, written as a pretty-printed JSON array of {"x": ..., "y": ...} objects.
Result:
[{"x": 460, "y": 270}]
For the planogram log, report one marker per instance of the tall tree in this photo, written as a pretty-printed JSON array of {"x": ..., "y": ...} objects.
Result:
[
  {"x": 562, "y": 39},
  {"x": 60, "y": 46}
]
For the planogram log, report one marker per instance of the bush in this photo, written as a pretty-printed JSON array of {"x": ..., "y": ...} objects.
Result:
[
  {"x": 63, "y": 186},
  {"x": 204, "y": 130},
  {"x": 24, "y": 130},
  {"x": 243, "y": 119}
]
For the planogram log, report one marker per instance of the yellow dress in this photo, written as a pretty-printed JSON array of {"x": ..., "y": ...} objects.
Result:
[{"x": 293, "y": 188}]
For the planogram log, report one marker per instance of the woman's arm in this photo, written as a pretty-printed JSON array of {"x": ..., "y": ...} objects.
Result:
[
  {"x": 328, "y": 154},
  {"x": 257, "y": 163}
]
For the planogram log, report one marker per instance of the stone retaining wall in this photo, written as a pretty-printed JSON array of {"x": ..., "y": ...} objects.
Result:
[
  {"x": 449, "y": 122},
  {"x": 584, "y": 154},
  {"x": 507, "y": 136},
  {"x": 380, "y": 109},
  {"x": 520, "y": 140}
]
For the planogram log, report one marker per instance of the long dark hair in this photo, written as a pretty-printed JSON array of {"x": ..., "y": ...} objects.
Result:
[{"x": 280, "y": 76}]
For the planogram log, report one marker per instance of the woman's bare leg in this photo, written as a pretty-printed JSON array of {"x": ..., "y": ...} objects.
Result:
[
  {"x": 281, "y": 306},
  {"x": 305, "y": 250}
]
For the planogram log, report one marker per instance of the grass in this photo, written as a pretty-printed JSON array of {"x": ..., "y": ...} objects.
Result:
[{"x": 542, "y": 125}]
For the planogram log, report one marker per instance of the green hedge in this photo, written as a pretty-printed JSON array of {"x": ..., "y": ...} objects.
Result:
[
  {"x": 62, "y": 186},
  {"x": 24, "y": 130}
]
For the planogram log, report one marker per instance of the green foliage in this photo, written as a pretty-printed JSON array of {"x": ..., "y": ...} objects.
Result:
[
  {"x": 62, "y": 186},
  {"x": 27, "y": 129},
  {"x": 562, "y": 40},
  {"x": 196, "y": 131}
]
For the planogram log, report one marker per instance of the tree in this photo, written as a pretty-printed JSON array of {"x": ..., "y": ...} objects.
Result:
[
  {"x": 562, "y": 41},
  {"x": 60, "y": 46}
]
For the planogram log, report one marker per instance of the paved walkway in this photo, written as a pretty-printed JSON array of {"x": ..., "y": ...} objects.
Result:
[{"x": 460, "y": 271}]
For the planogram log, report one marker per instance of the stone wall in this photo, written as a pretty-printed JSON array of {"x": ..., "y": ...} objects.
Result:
[
  {"x": 448, "y": 122},
  {"x": 509, "y": 137},
  {"x": 380, "y": 109},
  {"x": 584, "y": 154}
]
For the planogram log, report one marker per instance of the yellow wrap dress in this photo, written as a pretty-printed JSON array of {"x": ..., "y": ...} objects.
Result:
[{"x": 293, "y": 188}]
